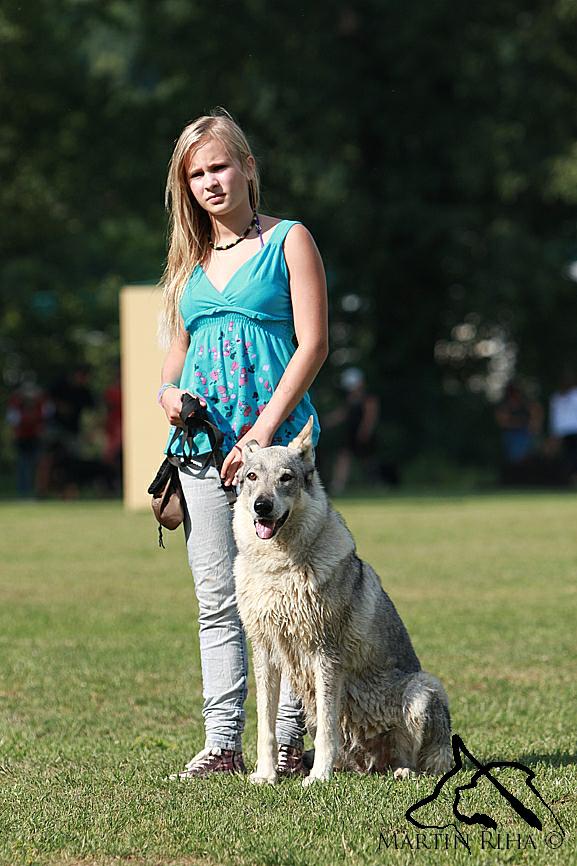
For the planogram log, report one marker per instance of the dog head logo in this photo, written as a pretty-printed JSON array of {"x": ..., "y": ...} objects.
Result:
[
  {"x": 471, "y": 790},
  {"x": 274, "y": 480}
]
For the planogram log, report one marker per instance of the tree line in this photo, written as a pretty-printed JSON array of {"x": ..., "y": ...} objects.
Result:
[{"x": 430, "y": 147}]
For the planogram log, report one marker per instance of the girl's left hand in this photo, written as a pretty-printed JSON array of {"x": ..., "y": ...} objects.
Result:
[{"x": 233, "y": 460}]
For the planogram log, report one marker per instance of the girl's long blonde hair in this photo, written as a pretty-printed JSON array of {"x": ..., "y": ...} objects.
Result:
[{"x": 189, "y": 224}]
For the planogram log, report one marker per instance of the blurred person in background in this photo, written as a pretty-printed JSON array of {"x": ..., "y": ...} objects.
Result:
[
  {"x": 520, "y": 420},
  {"x": 238, "y": 285},
  {"x": 70, "y": 398},
  {"x": 26, "y": 416},
  {"x": 357, "y": 417},
  {"x": 563, "y": 423},
  {"x": 72, "y": 395}
]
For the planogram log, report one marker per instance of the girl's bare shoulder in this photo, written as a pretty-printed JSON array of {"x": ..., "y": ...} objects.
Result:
[
  {"x": 297, "y": 238},
  {"x": 267, "y": 222}
]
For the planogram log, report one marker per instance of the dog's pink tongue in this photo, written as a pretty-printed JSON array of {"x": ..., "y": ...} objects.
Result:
[{"x": 264, "y": 530}]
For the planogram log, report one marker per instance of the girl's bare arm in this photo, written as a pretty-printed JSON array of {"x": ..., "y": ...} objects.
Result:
[{"x": 171, "y": 400}]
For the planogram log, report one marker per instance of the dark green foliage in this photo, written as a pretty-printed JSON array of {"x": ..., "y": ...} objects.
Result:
[{"x": 431, "y": 149}]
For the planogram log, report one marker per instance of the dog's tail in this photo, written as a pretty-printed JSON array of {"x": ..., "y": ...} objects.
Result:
[{"x": 426, "y": 715}]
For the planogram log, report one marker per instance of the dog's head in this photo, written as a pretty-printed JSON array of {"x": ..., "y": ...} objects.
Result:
[{"x": 273, "y": 481}]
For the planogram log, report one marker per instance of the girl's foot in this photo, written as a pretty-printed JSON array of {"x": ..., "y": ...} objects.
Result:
[
  {"x": 209, "y": 761},
  {"x": 292, "y": 761}
]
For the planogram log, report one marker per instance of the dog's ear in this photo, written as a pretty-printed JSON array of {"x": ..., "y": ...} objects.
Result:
[
  {"x": 250, "y": 448},
  {"x": 303, "y": 442}
]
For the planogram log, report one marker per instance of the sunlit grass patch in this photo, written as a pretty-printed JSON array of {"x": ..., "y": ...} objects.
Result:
[{"x": 100, "y": 691}]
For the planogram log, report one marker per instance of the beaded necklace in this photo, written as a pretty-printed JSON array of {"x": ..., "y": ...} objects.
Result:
[{"x": 254, "y": 222}]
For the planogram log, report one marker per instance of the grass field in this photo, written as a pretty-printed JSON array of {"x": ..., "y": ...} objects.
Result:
[{"x": 100, "y": 692}]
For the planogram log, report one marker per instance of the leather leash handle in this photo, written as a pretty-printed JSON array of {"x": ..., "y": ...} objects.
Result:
[
  {"x": 189, "y": 404},
  {"x": 193, "y": 417}
]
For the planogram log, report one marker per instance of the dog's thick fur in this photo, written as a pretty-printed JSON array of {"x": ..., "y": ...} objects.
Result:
[{"x": 315, "y": 612}]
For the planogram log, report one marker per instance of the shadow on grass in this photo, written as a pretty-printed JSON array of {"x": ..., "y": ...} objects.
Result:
[{"x": 557, "y": 759}]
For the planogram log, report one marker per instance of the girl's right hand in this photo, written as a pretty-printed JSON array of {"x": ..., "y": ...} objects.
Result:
[{"x": 171, "y": 402}]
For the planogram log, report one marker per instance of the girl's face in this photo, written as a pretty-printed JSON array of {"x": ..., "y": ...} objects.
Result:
[{"x": 215, "y": 180}]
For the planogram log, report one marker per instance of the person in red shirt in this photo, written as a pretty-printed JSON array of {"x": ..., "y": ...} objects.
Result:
[{"x": 26, "y": 415}]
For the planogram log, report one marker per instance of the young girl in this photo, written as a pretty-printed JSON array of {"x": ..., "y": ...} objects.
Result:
[{"x": 238, "y": 287}]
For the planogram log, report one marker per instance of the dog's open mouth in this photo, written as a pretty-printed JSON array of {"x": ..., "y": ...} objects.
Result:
[{"x": 267, "y": 528}]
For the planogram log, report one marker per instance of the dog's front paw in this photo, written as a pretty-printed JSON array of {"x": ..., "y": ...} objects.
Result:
[
  {"x": 402, "y": 773},
  {"x": 261, "y": 779},
  {"x": 314, "y": 777}
]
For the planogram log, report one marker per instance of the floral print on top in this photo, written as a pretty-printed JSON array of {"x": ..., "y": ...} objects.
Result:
[{"x": 241, "y": 340}]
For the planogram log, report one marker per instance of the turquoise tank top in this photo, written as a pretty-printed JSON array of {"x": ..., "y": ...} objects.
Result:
[{"x": 240, "y": 345}]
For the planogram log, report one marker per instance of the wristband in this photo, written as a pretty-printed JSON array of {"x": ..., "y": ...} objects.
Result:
[{"x": 164, "y": 387}]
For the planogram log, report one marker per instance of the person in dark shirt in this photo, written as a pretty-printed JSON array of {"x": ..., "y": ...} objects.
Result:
[
  {"x": 357, "y": 417},
  {"x": 520, "y": 420},
  {"x": 70, "y": 397}
]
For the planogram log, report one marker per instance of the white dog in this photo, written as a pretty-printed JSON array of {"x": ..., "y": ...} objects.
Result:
[{"x": 315, "y": 612}]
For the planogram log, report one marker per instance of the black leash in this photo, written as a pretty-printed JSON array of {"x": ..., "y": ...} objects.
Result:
[{"x": 194, "y": 418}]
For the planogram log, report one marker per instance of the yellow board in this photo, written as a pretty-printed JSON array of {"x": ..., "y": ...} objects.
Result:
[{"x": 144, "y": 424}]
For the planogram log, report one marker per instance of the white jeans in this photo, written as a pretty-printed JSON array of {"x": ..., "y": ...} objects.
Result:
[{"x": 223, "y": 651}]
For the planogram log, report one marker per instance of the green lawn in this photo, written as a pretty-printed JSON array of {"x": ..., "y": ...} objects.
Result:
[{"x": 100, "y": 691}]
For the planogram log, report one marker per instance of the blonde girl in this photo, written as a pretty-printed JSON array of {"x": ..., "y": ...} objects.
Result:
[{"x": 245, "y": 318}]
